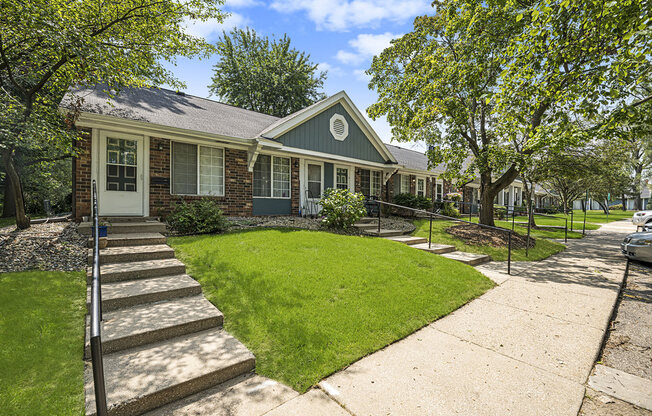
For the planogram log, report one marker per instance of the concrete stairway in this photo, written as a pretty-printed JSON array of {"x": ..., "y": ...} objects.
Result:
[
  {"x": 369, "y": 226},
  {"x": 162, "y": 339},
  {"x": 444, "y": 250}
]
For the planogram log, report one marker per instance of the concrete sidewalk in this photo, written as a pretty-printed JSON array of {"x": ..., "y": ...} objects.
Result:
[{"x": 524, "y": 348}]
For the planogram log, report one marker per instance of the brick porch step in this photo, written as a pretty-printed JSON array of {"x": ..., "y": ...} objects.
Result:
[
  {"x": 150, "y": 376},
  {"x": 434, "y": 248},
  {"x": 119, "y": 272},
  {"x": 85, "y": 228},
  {"x": 136, "y": 253},
  {"x": 383, "y": 232},
  {"x": 408, "y": 239},
  {"x": 130, "y": 293},
  {"x": 471, "y": 259},
  {"x": 132, "y": 239},
  {"x": 145, "y": 324}
]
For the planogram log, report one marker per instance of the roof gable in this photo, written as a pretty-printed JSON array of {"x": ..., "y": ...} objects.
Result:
[{"x": 309, "y": 129}]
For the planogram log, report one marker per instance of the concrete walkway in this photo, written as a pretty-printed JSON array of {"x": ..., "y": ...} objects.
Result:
[{"x": 525, "y": 347}]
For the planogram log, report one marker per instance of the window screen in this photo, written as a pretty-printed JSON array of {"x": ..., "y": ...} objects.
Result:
[{"x": 184, "y": 168}]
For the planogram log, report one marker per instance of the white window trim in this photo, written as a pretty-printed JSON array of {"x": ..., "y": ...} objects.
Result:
[
  {"x": 345, "y": 133},
  {"x": 198, "y": 169},
  {"x": 349, "y": 183},
  {"x": 271, "y": 188},
  {"x": 371, "y": 181},
  {"x": 438, "y": 183},
  {"x": 401, "y": 176}
]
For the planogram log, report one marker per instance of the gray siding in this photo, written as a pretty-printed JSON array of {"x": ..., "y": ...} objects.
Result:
[
  {"x": 271, "y": 206},
  {"x": 328, "y": 175},
  {"x": 315, "y": 135}
]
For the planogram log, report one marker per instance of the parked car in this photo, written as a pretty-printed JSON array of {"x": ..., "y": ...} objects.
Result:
[
  {"x": 638, "y": 246},
  {"x": 641, "y": 218}
]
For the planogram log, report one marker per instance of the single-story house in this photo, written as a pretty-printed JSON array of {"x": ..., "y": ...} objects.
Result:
[{"x": 149, "y": 148}]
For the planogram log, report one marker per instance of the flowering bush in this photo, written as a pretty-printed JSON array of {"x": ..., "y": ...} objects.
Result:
[{"x": 341, "y": 208}]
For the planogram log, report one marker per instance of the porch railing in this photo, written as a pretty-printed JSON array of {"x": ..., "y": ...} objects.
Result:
[
  {"x": 432, "y": 215},
  {"x": 96, "y": 316}
]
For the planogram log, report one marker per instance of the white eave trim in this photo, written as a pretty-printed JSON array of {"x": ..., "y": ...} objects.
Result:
[
  {"x": 300, "y": 117},
  {"x": 102, "y": 121}
]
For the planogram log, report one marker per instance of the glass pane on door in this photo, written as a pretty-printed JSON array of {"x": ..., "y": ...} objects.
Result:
[
  {"x": 314, "y": 181},
  {"x": 342, "y": 178},
  {"x": 121, "y": 168}
]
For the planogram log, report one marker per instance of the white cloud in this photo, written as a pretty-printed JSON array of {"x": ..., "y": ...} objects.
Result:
[
  {"x": 331, "y": 69},
  {"x": 360, "y": 74},
  {"x": 343, "y": 15},
  {"x": 365, "y": 46},
  {"x": 242, "y": 3},
  {"x": 211, "y": 29}
]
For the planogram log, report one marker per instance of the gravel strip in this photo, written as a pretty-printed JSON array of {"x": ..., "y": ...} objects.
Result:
[{"x": 54, "y": 246}]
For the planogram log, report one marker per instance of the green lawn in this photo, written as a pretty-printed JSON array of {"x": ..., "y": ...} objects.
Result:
[
  {"x": 598, "y": 216},
  {"x": 309, "y": 303},
  {"x": 542, "y": 249},
  {"x": 41, "y": 343},
  {"x": 545, "y": 232},
  {"x": 5, "y": 222}
]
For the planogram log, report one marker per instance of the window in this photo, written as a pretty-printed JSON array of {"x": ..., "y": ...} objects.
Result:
[
  {"x": 517, "y": 196},
  {"x": 421, "y": 187},
  {"x": 211, "y": 171},
  {"x": 197, "y": 170},
  {"x": 506, "y": 197},
  {"x": 375, "y": 183},
  {"x": 272, "y": 177},
  {"x": 314, "y": 181},
  {"x": 121, "y": 157},
  {"x": 342, "y": 178},
  {"x": 440, "y": 191},
  {"x": 405, "y": 184},
  {"x": 370, "y": 182}
]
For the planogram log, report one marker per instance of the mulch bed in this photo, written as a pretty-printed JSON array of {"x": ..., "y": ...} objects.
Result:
[
  {"x": 479, "y": 236},
  {"x": 53, "y": 246}
]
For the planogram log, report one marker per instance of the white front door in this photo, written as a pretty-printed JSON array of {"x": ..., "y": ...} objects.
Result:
[
  {"x": 121, "y": 180},
  {"x": 312, "y": 187}
]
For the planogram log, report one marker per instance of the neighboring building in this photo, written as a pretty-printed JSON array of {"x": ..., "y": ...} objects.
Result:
[{"x": 151, "y": 148}]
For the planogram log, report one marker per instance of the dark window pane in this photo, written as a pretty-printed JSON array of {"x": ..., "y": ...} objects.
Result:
[
  {"x": 263, "y": 176},
  {"x": 184, "y": 168}
]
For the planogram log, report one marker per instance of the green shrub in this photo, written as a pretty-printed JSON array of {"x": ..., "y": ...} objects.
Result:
[
  {"x": 449, "y": 210},
  {"x": 413, "y": 201},
  {"x": 200, "y": 217},
  {"x": 341, "y": 208},
  {"x": 616, "y": 207}
]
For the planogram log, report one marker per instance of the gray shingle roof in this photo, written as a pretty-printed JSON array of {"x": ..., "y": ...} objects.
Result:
[{"x": 167, "y": 108}]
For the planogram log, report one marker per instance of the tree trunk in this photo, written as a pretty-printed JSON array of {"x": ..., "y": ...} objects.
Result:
[
  {"x": 8, "y": 202},
  {"x": 22, "y": 222},
  {"x": 529, "y": 190},
  {"x": 487, "y": 195},
  {"x": 638, "y": 172},
  {"x": 624, "y": 203}
]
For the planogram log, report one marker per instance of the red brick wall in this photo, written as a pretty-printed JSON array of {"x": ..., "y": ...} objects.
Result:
[
  {"x": 238, "y": 182},
  {"x": 295, "y": 190},
  {"x": 81, "y": 186}
]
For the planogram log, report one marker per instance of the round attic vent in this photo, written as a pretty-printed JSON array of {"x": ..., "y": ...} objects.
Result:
[{"x": 339, "y": 127}]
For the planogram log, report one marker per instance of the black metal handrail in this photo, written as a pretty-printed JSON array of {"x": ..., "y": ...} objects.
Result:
[
  {"x": 431, "y": 214},
  {"x": 530, "y": 213},
  {"x": 96, "y": 316}
]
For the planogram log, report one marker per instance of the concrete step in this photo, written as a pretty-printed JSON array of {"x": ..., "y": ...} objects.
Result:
[
  {"x": 366, "y": 226},
  {"x": 366, "y": 220},
  {"x": 132, "y": 239},
  {"x": 127, "y": 219},
  {"x": 119, "y": 272},
  {"x": 434, "y": 248},
  {"x": 85, "y": 228},
  {"x": 147, "y": 377},
  {"x": 383, "y": 233},
  {"x": 408, "y": 239},
  {"x": 145, "y": 324},
  {"x": 471, "y": 259},
  {"x": 120, "y": 295},
  {"x": 137, "y": 253}
]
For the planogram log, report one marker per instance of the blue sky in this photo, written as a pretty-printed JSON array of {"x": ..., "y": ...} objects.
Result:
[{"x": 340, "y": 35}]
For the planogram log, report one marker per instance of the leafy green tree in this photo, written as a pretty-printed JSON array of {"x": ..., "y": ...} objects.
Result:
[
  {"x": 502, "y": 80},
  {"x": 266, "y": 76},
  {"x": 47, "y": 46}
]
